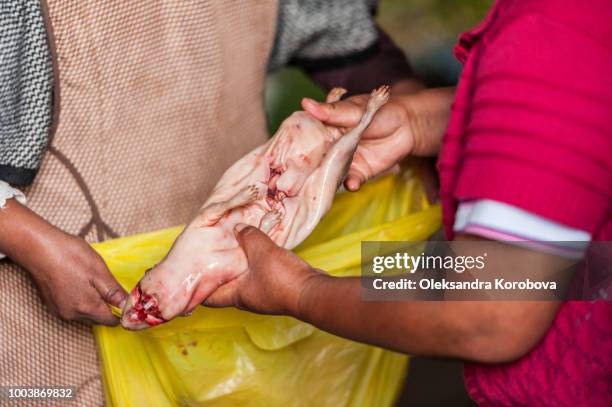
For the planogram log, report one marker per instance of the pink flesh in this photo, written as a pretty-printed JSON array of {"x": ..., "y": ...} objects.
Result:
[{"x": 297, "y": 173}]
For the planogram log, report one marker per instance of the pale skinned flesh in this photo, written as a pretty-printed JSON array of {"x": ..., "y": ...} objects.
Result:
[{"x": 284, "y": 187}]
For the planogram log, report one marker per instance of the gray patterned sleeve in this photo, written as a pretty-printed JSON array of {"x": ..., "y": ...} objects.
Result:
[
  {"x": 321, "y": 31},
  {"x": 25, "y": 90},
  {"x": 337, "y": 43}
]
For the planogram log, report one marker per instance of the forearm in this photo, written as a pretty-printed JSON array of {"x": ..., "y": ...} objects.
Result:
[
  {"x": 417, "y": 327},
  {"x": 71, "y": 277},
  {"x": 484, "y": 331},
  {"x": 428, "y": 112},
  {"x": 22, "y": 233}
]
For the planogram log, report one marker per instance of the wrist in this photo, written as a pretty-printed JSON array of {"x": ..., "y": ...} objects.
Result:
[
  {"x": 307, "y": 294},
  {"x": 23, "y": 234},
  {"x": 428, "y": 113},
  {"x": 416, "y": 121}
]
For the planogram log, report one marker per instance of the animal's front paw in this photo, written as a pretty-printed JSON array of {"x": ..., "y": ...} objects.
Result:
[{"x": 248, "y": 195}]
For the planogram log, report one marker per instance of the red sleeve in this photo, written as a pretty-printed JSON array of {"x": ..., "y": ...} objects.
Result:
[{"x": 540, "y": 131}]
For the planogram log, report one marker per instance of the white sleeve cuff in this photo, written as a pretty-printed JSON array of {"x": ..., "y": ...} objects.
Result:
[
  {"x": 502, "y": 222},
  {"x": 7, "y": 192}
]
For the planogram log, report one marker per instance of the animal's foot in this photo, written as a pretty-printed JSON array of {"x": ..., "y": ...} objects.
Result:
[
  {"x": 247, "y": 195},
  {"x": 378, "y": 97}
]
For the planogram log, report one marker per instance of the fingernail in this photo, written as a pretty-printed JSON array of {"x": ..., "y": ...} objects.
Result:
[
  {"x": 238, "y": 228},
  {"x": 352, "y": 185},
  {"x": 312, "y": 102}
]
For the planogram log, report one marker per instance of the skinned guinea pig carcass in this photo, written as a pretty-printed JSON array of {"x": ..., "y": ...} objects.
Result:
[{"x": 284, "y": 187}]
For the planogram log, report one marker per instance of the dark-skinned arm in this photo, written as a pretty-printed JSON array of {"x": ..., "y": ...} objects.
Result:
[
  {"x": 72, "y": 278},
  {"x": 279, "y": 282}
]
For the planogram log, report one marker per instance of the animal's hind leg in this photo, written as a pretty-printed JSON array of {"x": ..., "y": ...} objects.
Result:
[
  {"x": 348, "y": 143},
  {"x": 269, "y": 221},
  {"x": 377, "y": 99},
  {"x": 338, "y": 159},
  {"x": 212, "y": 213}
]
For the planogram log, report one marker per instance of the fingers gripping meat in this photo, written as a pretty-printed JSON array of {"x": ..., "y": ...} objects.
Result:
[{"x": 284, "y": 187}]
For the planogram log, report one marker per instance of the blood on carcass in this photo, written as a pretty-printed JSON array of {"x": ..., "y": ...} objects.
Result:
[{"x": 145, "y": 308}]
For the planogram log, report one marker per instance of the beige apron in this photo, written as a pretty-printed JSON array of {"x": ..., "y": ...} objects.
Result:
[{"x": 155, "y": 100}]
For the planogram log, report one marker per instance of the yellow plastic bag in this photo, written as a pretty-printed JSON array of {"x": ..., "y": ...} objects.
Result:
[{"x": 226, "y": 357}]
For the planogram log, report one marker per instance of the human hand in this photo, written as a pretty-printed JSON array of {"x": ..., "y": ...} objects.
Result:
[
  {"x": 75, "y": 283},
  {"x": 72, "y": 278},
  {"x": 407, "y": 124},
  {"x": 387, "y": 140},
  {"x": 274, "y": 282}
]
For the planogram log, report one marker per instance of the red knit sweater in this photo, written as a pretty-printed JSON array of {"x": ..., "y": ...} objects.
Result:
[{"x": 532, "y": 127}]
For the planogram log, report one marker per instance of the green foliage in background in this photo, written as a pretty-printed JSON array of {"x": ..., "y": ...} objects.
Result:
[{"x": 284, "y": 91}]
